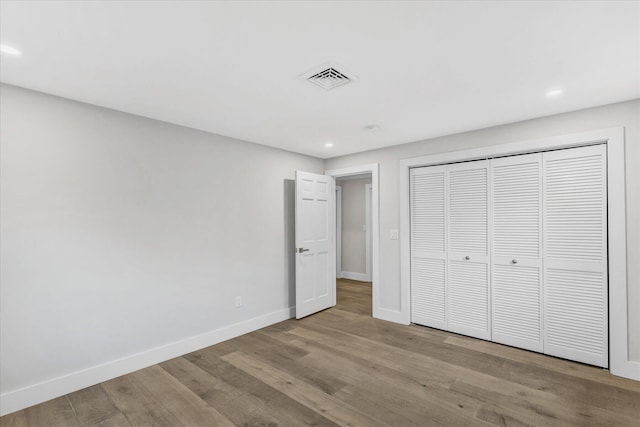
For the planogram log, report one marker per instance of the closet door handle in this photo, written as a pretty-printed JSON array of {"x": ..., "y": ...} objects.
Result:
[
  {"x": 514, "y": 261},
  {"x": 467, "y": 258}
]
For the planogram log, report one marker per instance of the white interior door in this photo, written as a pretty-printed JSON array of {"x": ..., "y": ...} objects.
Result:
[
  {"x": 575, "y": 263},
  {"x": 315, "y": 244},
  {"x": 516, "y": 291},
  {"x": 468, "y": 249},
  {"x": 428, "y": 246}
]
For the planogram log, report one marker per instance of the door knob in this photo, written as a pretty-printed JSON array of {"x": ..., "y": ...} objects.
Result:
[
  {"x": 514, "y": 261},
  {"x": 300, "y": 250},
  {"x": 467, "y": 258}
]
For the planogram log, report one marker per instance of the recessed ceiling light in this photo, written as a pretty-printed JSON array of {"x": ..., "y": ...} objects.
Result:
[
  {"x": 9, "y": 50},
  {"x": 328, "y": 144},
  {"x": 554, "y": 93}
]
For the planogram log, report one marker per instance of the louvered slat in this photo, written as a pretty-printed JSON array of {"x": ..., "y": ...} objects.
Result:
[
  {"x": 575, "y": 310},
  {"x": 468, "y": 297},
  {"x": 427, "y": 211},
  {"x": 516, "y": 206},
  {"x": 516, "y": 185},
  {"x": 428, "y": 256},
  {"x": 574, "y": 193},
  {"x": 468, "y": 210},
  {"x": 516, "y": 306},
  {"x": 575, "y": 276},
  {"x": 428, "y": 292},
  {"x": 468, "y": 253}
]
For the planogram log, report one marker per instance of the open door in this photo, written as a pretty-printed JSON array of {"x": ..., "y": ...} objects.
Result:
[{"x": 315, "y": 243}]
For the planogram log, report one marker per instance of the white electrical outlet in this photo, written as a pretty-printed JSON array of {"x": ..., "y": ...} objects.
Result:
[
  {"x": 394, "y": 234},
  {"x": 238, "y": 301}
]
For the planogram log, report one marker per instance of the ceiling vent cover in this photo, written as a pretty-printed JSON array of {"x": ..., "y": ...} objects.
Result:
[{"x": 328, "y": 77}]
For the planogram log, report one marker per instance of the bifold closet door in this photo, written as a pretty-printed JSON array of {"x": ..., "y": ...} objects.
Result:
[
  {"x": 468, "y": 249},
  {"x": 575, "y": 263},
  {"x": 516, "y": 277},
  {"x": 428, "y": 254}
]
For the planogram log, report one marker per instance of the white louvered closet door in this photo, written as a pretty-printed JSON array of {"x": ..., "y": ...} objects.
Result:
[
  {"x": 468, "y": 249},
  {"x": 516, "y": 276},
  {"x": 575, "y": 264},
  {"x": 428, "y": 254}
]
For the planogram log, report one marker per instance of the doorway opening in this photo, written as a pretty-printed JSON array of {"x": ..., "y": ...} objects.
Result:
[
  {"x": 353, "y": 243},
  {"x": 357, "y": 238}
]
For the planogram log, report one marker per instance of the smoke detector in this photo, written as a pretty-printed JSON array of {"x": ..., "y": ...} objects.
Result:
[{"x": 328, "y": 76}]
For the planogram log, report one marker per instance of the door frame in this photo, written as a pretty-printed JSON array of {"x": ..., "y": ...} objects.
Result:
[
  {"x": 368, "y": 189},
  {"x": 338, "y": 232},
  {"x": 619, "y": 362},
  {"x": 373, "y": 169}
]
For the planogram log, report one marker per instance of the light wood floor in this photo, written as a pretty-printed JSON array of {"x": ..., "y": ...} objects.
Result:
[{"x": 341, "y": 367}]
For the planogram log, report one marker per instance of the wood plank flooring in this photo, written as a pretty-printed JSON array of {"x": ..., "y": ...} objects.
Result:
[{"x": 342, "y": 367}]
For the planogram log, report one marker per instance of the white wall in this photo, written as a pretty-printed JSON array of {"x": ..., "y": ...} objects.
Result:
[
  {"x": 625, "y": 114},
  {"x": 353, "y": 218},
  {"x": 121, "y": 234}
]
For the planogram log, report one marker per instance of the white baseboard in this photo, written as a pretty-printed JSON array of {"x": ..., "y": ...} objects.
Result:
[
  {"x": 355, "y": 276},
  {"x": 391, "y": 315},
  {"x": 627, "y": 369},
  {"x": 28, "y": 396}
]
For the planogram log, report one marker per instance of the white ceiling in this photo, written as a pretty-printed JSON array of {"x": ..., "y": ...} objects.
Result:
[{"x": 424, "y": 68}]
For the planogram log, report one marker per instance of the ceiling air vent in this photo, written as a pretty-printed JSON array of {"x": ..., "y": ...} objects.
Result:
[{"x": 327, "y": 77}]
